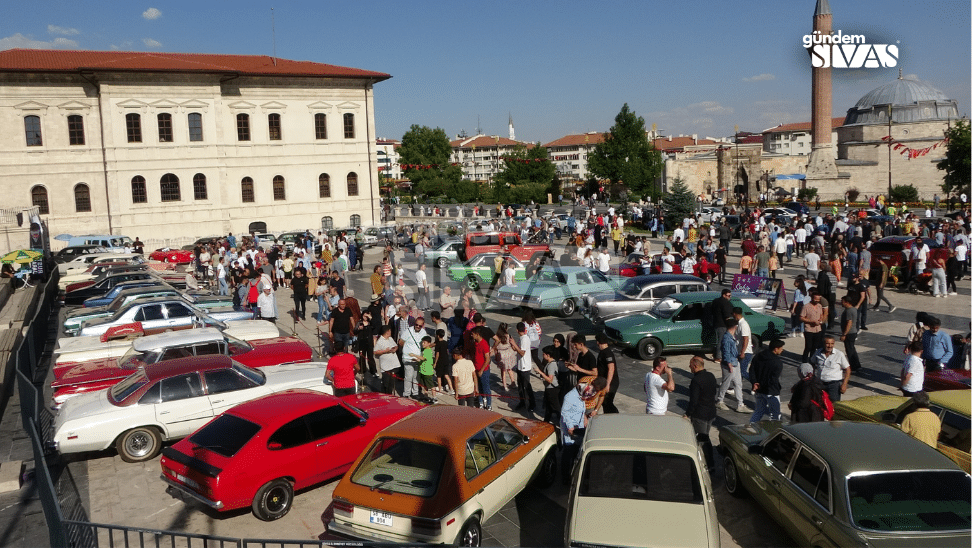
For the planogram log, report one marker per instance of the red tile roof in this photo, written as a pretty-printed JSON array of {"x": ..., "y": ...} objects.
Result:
[
  {"x": 35, "y": 60},
  {"x": 677, "y": 144},
  {"x": 803, "y": 126},
  {"x": 486, "y": 141},
  {"x": 592, "y": 138}
]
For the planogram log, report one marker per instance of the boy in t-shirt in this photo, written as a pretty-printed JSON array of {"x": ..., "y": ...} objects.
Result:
[
  {"x": 551, "y": 388},
  {"x": 464, "y": 375},
  {"x": 427, "y": 370}
]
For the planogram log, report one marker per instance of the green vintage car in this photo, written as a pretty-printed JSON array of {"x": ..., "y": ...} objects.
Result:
[
  {"x": 677, "y": 323},
  {"x": 559, "y": 289},
  {"x": 478, "y": 271},
  {"x": 831, "y": 484}
]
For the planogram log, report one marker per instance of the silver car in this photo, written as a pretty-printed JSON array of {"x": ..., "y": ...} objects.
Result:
[{"x": 162, "y": 314}]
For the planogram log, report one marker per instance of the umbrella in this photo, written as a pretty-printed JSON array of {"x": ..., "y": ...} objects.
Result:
[{"x": 21, "y": 256}]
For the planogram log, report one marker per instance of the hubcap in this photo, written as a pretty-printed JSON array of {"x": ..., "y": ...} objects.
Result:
[
  {"x": 139, "y": 444},
  {"x": 277, "y": 499},
  {"x": 472, "y": 537},
  {"x": 730, "y": 475}
]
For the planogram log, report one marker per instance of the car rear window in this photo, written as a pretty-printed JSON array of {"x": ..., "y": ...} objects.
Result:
[
  {"x": 885, "y": 246},
  {"x": 641, "y": 475},
  {"x": 403, "y": 466},
  {"x": 225, "y": 435},
  {"x": 910, "y": 500}
]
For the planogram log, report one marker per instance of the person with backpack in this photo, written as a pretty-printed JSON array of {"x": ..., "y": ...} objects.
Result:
[{"x": 807, "y": 402}]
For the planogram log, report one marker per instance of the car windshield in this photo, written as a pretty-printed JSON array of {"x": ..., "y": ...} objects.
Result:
[
  {"x": 226, "y": 435},
  {"x": 237, "y": 346},
  {"x": 884, "y": 246},
  {"x": 255, "y": 375},
  {"x": 404, "y": 466},
  {"x": 133, "y": 359},
  {"x": 665, "y": 308},
  {"x": 631, "y": 288},
  {"x": 641, "y": 476},
  {"x": 935, "y": 500},
  {"x": 128, "y": 386},
  {"x": 552, "y": 277}
]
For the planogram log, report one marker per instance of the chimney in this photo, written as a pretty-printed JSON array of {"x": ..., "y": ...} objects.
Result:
[
  {"x": 669, "y": 138},
  {"x": 695, "y": 138}
]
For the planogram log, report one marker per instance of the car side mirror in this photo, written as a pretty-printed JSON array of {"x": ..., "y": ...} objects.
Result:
[{"x": 755, "y": 449}]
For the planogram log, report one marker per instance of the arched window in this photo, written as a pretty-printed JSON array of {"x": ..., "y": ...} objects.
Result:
[
  {"x": 133, "y": 126},
  {"x": 82, "y": 198},
  {"x": 273, "y": 122},
  {"x": 349, "y": 126},
  {"x": 139, "y": 192},
  {"x": 320, "y": 126},
  {"x": 324, "y": 185},
  {"x": 38, "y": 198},
  {"x": 165, "y": 127},
  {"x": 199, "y": 191},
  {"x": 169, "y": 185},
  {"x": 246, "y": 189},
  {"x": 195, "y": 127},
  {"x": 355, "y": 220},
  {"x": 75, "y": 129},
  {"x": 327, "y": 223},
  {"x": 352, "y": 184},
  {"x": 242, "y": 127},
  {"x": 279, "y": 192},
  {"x": 32, "y": 130}
]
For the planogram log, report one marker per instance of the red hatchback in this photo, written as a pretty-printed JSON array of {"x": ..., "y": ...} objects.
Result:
[{"x": 258, "y": 453}]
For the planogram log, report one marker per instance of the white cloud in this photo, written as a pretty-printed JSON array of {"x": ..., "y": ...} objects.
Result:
[
  {"x": 27, "y": 42},
  {"x": 709, "y": 107},
  {"x": 760, "y": 78},
  {"x": 151, "y": 43},
  {"x": 126, "y": 45},
  {"x": 63, "y": 31},
  {"x": 151, "y": 14}
]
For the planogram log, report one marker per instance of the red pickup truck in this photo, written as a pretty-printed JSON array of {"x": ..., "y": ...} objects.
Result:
[{"x": 500, "y": 242}]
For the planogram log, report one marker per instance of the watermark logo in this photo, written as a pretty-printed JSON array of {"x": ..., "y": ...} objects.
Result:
[{"x": 841, "y": 50}]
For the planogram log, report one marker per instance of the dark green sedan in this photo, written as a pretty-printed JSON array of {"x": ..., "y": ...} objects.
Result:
[
  {"x": 677, "y": 323},
  {"x": 831, "y": 484}
]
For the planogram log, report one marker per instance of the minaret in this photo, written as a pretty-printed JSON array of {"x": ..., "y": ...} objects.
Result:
[
  {"x": 821, "y": 164},
  {"x": 512, "y": 133}
]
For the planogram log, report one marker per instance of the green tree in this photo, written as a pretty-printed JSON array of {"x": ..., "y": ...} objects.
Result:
[
  {"x": 904, "y": 193},
  {"x": 425, "y": 158},
  {"x": 679, "y": 203},
  {"x": 627, "y": 156},
  {"x": 526, "y": 165},
  {"x": 956, "y": 165}
]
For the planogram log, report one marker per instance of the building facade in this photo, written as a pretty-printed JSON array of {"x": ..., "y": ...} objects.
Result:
[
  {"x": 481, "y": 156},
  {"x": 795, "y": 139},
  {"x": 168, "y": 147}
]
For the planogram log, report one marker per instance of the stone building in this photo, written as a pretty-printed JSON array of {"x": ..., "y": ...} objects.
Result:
[
  {"x": 481, "y": 156},
  {"x": 169, "y": 147}
]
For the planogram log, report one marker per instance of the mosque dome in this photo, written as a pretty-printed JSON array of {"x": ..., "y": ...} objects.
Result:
[{"x": 909, "y": 99}]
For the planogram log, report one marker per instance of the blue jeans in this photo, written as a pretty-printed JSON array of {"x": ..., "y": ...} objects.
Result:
[
  {"x": 486, "y": 396},
  {"x": 744, "y": 365},
  {"x": 223, "y": 288},
  {"x": 691, "y": 248},
  {"x": 762, "y": 272},
  {"x": 322, "y": 314},
  {"x": 766, "y": 405}
]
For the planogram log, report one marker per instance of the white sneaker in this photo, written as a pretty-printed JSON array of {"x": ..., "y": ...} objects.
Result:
[
  {"x": 743, "y": 409},
  {"x": 722, "y": 405},
  {"x": 953, "y": 293},
  {"x": 731, "y": 392}
]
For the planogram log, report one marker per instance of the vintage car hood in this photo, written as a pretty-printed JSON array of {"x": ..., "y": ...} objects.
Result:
[
  {"x": 530, "y": 288},
  {"x": 251, "y": 331},
  {"x": 294, "y": 375},
  {"x": 76, "y": 318},
  {"x": 81, "y": 370},
  {"x": 754, "y": 432},
  {"x": 85, "y": 406},
  {"x": 87, "y": 311},
  {"x": 867, "y": 407},
  {"x": 228, "y": 314},
  {"x": 600, "y": 521},
  {"x": 638, "y": 323},
  {"x": 275, "y": 350}
]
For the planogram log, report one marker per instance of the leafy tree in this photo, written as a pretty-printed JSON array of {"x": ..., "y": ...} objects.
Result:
[
  {"x": 525, "y": 192},
  {"x": 425, "y": 158},
  {"x": 956, "y": 165},
  {"x": 904, "y": 193},
  {"x": 806, "y": 194},
  {"x": 679, "y": 203},
  {"x": 523, "y": 165},
  {"x": 627, "y": 156}
]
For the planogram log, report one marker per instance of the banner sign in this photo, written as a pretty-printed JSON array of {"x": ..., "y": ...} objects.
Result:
[{"x": 771, "y": 288}]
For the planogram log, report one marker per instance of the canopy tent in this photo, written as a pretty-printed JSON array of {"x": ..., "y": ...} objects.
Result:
[{"x": 791, "y": 176}]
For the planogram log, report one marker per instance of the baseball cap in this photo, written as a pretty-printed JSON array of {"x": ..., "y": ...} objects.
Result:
[{"x": 805, "y": 370}]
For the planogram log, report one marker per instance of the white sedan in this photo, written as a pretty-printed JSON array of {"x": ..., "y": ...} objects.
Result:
[{"x": 170, "y": 400}]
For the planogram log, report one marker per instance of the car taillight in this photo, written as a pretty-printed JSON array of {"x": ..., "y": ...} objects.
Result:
[
  {"x": 343, "y": 507},
  {"x": 429, "y": 527}
]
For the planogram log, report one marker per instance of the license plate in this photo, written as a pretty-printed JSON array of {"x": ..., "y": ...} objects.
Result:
[
  {"x": 187, "y": 481},
  {"x": 381, "y": 518}
]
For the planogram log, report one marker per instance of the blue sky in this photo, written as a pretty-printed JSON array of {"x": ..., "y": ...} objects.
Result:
[{"x": 557, "y": 67}]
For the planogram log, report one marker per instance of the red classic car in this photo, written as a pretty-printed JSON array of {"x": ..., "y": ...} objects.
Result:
[
  {"x": 258, "y": 453},
  {"x": 168, "y": 255},
  {"x": 946, "y": 379},
  {"x": 76, "y": 378}
]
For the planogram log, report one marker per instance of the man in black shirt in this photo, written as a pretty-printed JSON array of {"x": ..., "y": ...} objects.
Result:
[
  {"x": 338, "y": 282},
  {"x": 299, "y": 285},
  {"x": 607, "y": 367},
  {"x": 765, "y": 371},
  {"x": 701, "y": 407},
  {"x": 339, "y": 326},
  {"x": 721, "y": 311},
  {"x": 586, "y": 362}
]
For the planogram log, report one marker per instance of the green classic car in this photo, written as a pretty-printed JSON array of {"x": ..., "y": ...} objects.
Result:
[
  {"x": 558, "y": 289},
  {"x": 478, "y": 271},
  {"x": 953, "y": 408},
  {"x": 831, "y": 484},
  {"x": 677, "y": 323}
]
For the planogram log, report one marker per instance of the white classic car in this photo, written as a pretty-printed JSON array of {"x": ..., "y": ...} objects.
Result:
[
  {"x": 160, "y": 314},
  {"x": 169, "y": 400},
  {"x": 77, "y": 270},
  {"x": 97, "y": 347}
]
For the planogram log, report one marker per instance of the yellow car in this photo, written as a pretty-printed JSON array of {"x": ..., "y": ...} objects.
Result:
[{"x": 953, "y": 407}]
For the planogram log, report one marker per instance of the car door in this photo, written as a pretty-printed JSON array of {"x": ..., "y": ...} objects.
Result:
[
  {"x": 806, "y": 504},
  {"x": 152, "y": 317},
  {"x": 485, "y": 474},
  {"x": 226, "y": 388},
  {"x": 514, "y": 457},
  {"x": 954, "y": 438},
  {"x": 686, "y": 327},
  {"x": 181, "y": 406},
  {"x": 769, "y": 470},
  {"x": 178, "y": 316},
  {"x": 338, "y": 437}
]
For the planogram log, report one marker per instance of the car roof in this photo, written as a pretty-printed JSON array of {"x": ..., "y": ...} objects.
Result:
[
  {"x": 463, "y": 423},
  {"x": 669, "y": 434},
  {"x": 955, "y": 400},
  {"x": 879, "y": 447},
  {"x": 163, "y": 300},
  {"x": 666, "y": 278},
  {"x": 282, "y": 407},
  {"x": 698, "y": 296},
  {"x": 182, "y": 366},
  {"x": 177, "y": 338}
]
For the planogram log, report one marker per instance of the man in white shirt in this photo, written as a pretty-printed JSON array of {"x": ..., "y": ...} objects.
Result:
[
  {"x": 744, "y": 336},
  {"x": 678, "y": 234},
  {"x": 667, "y": 261},
  {"x": 422, "y": 281},
  {"x": 658, "y": 383},
  {"x": 812, "y": 263},
  {"x": 509, "y": 275},
  {"x": 385, "y": 349},
  {"x": 524, "y": 365},
  {"x": 832, "y": 368},
  {"x": 688, "y": 264},
  {"x": 604, "y": 260}
]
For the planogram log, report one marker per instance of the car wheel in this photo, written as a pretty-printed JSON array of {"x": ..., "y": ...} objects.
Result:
[
  {"x": 471, "y": 533},
  {"x": 708, "y": 277},
  {"x": 472, "y": 282},
  {"x": 442, "y": 262},
  {"x": 547, "y": 474},
  {"x": 757, "y": 344},
  {"x": 165, "y": 260},
  {"x": 567, "y": 308},
  {"x": 139, "y": 444},
  {"x": 649, "y": 349},
  {"x": 733, "y": 483},
  {"x": 273, "y": 500}
]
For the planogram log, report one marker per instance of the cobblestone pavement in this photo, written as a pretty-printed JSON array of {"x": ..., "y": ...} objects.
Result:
[{"x": 132, "y": 494}]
